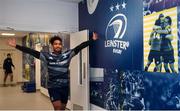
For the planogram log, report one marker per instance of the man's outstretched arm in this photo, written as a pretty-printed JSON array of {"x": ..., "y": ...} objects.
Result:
[
  {"x": 12, "y": 43},
  {"x": 78, "y": 48},
  {"x": 32, "y": 52}
]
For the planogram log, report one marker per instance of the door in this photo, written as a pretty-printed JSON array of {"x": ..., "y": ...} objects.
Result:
[{"x": 79, "y": 73}]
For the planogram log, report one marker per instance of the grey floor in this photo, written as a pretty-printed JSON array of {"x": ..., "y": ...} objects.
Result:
[{"x": 13, "y": 98}]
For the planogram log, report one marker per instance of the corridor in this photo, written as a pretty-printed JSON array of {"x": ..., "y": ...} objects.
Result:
[{"x": 13, "y": 98}]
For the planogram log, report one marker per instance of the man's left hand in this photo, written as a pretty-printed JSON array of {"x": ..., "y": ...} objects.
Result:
[{"x": 95, "y": 36}]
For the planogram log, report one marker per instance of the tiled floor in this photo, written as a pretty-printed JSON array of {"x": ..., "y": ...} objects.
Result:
[{"x": 13, "y": 98}]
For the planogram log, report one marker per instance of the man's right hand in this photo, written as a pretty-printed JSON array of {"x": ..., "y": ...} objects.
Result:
[{"x": 12, "y": 42}]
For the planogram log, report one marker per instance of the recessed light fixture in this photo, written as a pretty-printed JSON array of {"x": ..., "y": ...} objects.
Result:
[{"x": 8, "y": 34}]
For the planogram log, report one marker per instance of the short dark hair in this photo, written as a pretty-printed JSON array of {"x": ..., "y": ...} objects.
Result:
[
  {"x": 51, "y": 41},
  {"x": 169, "y": 20},
  {"x": 8, "y": 54},
  {"x": 161, "y": 15}
]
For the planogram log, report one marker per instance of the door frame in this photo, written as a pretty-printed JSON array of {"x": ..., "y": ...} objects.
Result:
[{"x": 85, "y": 68}]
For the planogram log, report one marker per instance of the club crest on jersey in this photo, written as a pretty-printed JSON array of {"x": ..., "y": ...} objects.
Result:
[{"x": 51, "y": 58}]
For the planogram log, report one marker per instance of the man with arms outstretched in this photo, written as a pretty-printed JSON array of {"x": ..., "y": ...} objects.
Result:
[{"x": 58, "y": 67}]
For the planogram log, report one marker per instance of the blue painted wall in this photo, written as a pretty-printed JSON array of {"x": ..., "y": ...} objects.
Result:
[{"x": 122, "y": 83}]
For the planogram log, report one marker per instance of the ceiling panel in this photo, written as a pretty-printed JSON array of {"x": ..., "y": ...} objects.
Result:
[{"x": 75, "y": 1}]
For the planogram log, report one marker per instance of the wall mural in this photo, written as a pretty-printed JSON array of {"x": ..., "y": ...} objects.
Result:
[
  {"x": 161, "y": 91},
  {"x": 28, "y": 61},
  {"x": 116, "y": 89},
  {"x": 120, "y": 28},
  {"x": 160, "y": 41},
  {"x": 114, "y": 20},
  {"x": 120, "y": 56}
]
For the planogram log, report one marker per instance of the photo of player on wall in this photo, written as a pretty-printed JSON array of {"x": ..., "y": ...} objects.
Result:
[{"x": 160, "y": 56}]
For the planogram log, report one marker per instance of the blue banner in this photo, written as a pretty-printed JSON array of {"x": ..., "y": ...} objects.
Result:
[{"x": 120, "y": 28}]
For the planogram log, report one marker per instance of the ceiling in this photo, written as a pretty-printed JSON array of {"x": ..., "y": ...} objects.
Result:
[
  {"x": 75, "y": 1},
  {"x": 23, "y": 33},
  {"x": 17, "y": 33}
]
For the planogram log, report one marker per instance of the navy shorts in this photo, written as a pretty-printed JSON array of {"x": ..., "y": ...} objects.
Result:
[
  {"x": 59, "y": 94},
  {"x": 168, "y": 56},
  {"x": 8, "y": 72},
  {"x": 156, "y": 55}
]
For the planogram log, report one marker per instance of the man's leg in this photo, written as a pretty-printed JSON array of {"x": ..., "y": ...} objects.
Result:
[
  {"x": 158, "y": 66},
  {"x": 147, "y": 66},
  {"x": 5, "y": 77},
  {"x": 150, "y": 60},
  {"x": 172, "y": 68},
  {"x": 11, "y": 78},
  {"x": 166, "y": 68},
  {"x": 58, "y": 105},
  {"x": 58, "y": 97},
  {"x": 171, "y": 62}
]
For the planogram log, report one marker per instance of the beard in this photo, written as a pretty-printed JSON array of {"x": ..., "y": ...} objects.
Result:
[{"x": 58, "y": 50}]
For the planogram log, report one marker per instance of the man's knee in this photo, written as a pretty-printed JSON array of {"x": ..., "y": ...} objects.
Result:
[
  {"x": 5, "y": 76},
  {"x": 58, "y": 105}
]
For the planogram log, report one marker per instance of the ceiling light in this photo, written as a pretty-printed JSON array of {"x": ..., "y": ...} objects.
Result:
[{"x": 8, "y": 34}]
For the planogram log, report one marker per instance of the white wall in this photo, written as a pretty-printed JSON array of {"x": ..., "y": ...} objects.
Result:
[
  {"x": 17, "y": 60},
  {"x": 39, "y": 15}
]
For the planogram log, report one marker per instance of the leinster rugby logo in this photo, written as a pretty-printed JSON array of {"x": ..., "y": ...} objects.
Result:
[
  {"x": 91, "y": 5},
  {"x": 116, "y": 29},
  {"x": 117, "y": 25}
]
